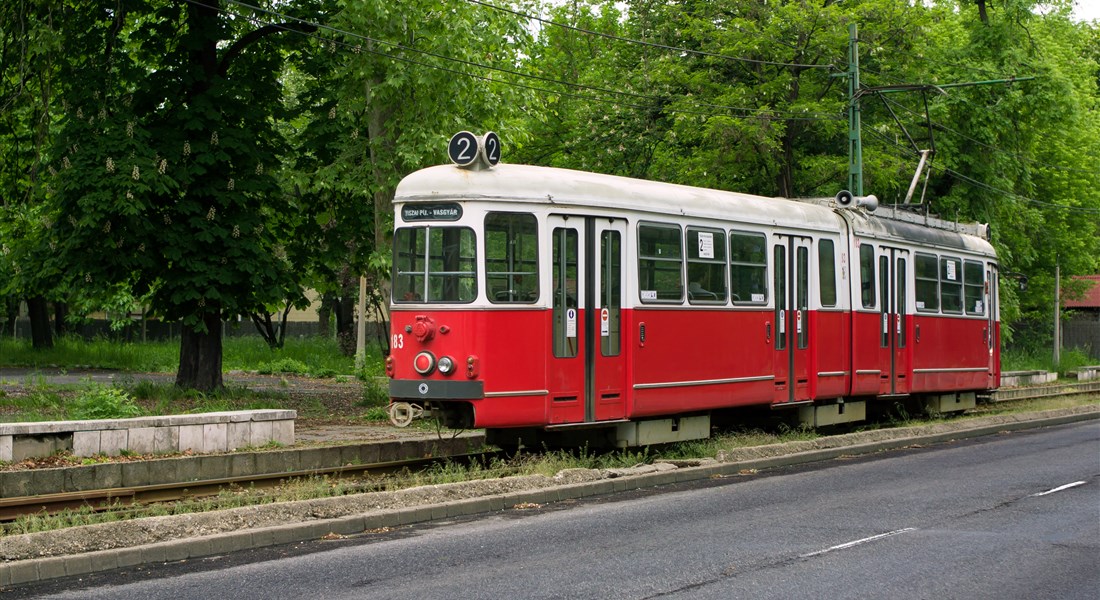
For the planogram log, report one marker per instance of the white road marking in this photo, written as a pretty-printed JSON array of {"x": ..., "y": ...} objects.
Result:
[
  {"x": 1059, "y": 488},
  {"x": 858, "y": 542}
]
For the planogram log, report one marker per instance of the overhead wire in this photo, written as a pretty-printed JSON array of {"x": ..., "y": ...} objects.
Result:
[
  {"x": 1015, "y": 155},
  {"x": 770, "y": 115},
  {"x": 650, "y": 44},
  {"x": 899, "y": 150},
  {"x": 741, "y": 112}
]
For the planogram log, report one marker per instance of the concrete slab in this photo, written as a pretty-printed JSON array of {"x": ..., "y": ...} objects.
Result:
[
  {"x": 214, "y": 436},
  {"x": 191, "y": 438},
  {"x": 113, "y": 441},
  {"x": 142, "y": 440}
]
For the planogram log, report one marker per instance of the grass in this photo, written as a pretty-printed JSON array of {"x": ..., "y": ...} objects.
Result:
[
  {"x": 1032, "y": 359},
  {"x": 312, "y": 356}
]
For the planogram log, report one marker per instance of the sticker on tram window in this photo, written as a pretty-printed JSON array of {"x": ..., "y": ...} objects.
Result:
[
  {"x": 649, "y": 294},
  {"x": 950, "y": 270},
  {"x": 978, "y": 306},
  {"x": 920, "y": 304},
  {"x": 431, "y": 212},
  {"x": 706, "y": 244},
  {"x": 571, "y": 323},
  {"x": 758, "y": 297}
]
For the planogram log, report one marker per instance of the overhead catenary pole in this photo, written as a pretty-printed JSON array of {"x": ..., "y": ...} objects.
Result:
[
  {"x": 1057, "y": 314},
  {"x": 855, "y": 144},
  {"x": 361, "y": 327}
]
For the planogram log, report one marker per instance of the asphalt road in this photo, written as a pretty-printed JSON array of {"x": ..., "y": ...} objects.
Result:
[{"x": 1011, "y": 516}]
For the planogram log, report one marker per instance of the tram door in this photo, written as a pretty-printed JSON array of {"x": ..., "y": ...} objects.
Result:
[
  {"x": 894, "y": 366},
  {"x": 992, "y": 341},
  {"x": 587, "y": 371},
  {"x": 791, "y": 278}
]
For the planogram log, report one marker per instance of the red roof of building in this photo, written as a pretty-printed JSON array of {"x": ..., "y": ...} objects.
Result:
[{"x": 1091, "y": 297}]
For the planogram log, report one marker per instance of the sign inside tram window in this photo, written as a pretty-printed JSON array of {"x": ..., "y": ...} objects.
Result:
[
  {"x": 431, "y": 212},
  {"x": 706, "y": 244},
  {"x": 571, "y": 323}
]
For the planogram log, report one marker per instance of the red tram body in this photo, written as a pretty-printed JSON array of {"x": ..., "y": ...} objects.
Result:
[{"x": 532, "y": 301}]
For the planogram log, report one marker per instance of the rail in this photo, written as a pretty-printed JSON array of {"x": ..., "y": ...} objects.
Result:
[{"x": 112, "y": 498}]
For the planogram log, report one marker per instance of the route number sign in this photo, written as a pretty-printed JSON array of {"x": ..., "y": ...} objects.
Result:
[{"x": 468, "y": 150}]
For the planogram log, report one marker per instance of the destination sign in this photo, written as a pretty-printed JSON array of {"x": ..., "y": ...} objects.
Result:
[{"x": 431, "y": 212}]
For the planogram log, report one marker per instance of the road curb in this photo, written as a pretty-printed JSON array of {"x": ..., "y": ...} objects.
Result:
[{"x": 41, "y": 569}]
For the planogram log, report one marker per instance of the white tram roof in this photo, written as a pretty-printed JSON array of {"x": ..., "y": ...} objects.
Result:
[{"x": 592, "y": 191}]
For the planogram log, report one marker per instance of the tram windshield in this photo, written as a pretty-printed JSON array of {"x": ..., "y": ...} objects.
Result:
[{"x": 434, "y": 264}]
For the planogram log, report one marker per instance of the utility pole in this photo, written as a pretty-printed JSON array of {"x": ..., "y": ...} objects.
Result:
[
  {"x": 1057, "y": 314},
  {"x": 855, "y": 143}
]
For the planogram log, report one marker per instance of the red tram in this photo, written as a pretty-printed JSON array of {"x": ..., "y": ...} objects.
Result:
[{"x": 535, "y": 301}]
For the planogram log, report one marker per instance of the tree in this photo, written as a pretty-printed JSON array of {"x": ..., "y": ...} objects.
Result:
[
  {"x": 380, "y": 92},
  {"x": 29, "y": 50},
  {"x": 166, "y": 160}
]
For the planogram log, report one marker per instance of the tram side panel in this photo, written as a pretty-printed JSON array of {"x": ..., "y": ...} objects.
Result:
[
  {"x": 950, "y": 354},
  {"x": 829, "y": 332},
  {"x": 694, "y": 360}
]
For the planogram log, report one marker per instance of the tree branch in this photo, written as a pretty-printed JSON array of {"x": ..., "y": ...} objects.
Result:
[{"x": 254, "y": 36}]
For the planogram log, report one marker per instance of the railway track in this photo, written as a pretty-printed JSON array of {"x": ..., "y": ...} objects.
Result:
[
  {"x": 1044, "y": 391},
  {"x": 116, "y": 498},
  {"x": 120, "y": 498}
]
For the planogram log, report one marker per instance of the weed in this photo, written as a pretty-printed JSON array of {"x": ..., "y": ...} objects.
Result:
[
  {"x": 376, "y": 414},
  {"x": 98, "y": 402},
  {"x": 375, "y": 392},
  {"x": 283, "y": 365}
]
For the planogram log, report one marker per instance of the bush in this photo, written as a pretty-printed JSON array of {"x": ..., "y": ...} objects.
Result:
[
  {"x": 283, "y": 365},
  {"x": 376, "y": 392},
  {"x": 104, "y": 403}
]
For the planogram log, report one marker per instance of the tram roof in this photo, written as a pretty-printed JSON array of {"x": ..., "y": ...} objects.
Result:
[
  {"x": 581, "y": 189},
  {"x": 593, "y": 191}
]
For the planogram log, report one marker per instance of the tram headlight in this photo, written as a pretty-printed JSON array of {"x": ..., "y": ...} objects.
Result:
[
  {"x": 446, "y": 365},
  {"x": 424, "y": 363}
]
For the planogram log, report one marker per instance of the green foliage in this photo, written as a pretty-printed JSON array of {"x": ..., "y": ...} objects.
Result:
[
  {"x": 377, "y": 414},
  {"x": 283, "y": 365},
  {"x": 375, "y": 393},
  {"x": 1041, "y": 358},
  {"x": 321, "y": 357},
  {"x": 102, "y": 353},
  {"x": 100, "y": 402}
]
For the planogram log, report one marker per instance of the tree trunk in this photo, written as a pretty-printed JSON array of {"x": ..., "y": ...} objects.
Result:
[
  {"x": 345, "y": 318},
  {"x": 11, "y": 309},
  {"x": 201, "y": 356},
  {"x": 60, "y": 312},
  {"x": 41, "y": 334},
  {"x": 324, "y": 315}
]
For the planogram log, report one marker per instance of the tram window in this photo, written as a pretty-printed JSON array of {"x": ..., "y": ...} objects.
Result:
[
  {"x": 660, "y": 263},
  {"x": 706, "y": 260},
  {"x": 867, "y": 275},
  {"x": 511, "y": 258},
  {"x": 826, "y": 272},
  {"x": 748, "y": 267},
  {"x": 973, "y": 288},
  {"x": 928, "y": 283},
  {"x": 884, "y": 293},
  {"x": 802, "y": 297},
  {"x": 951, "y": 285},
  {"x": 781, "y": 316},
  {"x": 565, "y": 292},
  {"x": 434, "y": 264},
  {"x": 611, "y": 292}
]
